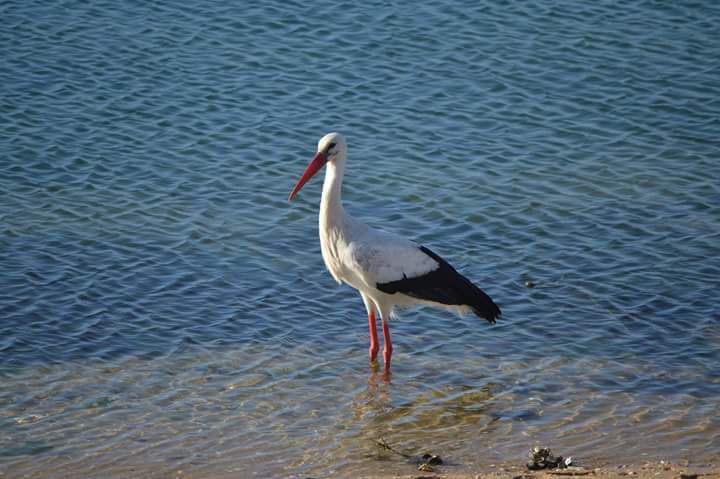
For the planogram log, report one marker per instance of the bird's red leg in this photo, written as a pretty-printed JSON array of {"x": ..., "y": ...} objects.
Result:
[
  {"x": 373, "y": 336},
  {"x": 388, "y": 349}
]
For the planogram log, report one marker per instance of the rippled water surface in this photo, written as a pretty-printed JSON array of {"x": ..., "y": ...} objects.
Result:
[{"x": 164, "y": 308}]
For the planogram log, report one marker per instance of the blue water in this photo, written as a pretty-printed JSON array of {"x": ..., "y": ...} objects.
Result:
[{"x": 164, "y": 308}]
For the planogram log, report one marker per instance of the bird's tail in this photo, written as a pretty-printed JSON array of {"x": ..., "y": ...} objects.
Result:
[
  {"x": 462, "y": 291},
  {"x": 482, "y": 305}
]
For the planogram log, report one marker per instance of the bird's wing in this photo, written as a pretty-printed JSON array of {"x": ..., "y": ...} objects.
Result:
[
  {"x": 444, "y": 285},
  {"x": 393, "y": 265},
  {"x": 383, "y": 257}
]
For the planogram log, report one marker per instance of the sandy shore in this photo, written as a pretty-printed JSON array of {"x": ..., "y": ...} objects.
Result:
[{"x": 648, "y": 470}]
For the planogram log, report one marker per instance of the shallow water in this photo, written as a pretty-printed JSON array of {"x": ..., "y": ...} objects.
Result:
[{"x": 164, "y": 308}]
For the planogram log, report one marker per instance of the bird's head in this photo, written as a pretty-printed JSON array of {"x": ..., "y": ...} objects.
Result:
[{"x": 330, "y": 147}]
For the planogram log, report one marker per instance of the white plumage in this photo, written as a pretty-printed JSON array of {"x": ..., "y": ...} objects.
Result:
[{"x": 386, "y": 269}]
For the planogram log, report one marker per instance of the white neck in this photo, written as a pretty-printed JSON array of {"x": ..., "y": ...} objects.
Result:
[{"x": 331, "y": 210}]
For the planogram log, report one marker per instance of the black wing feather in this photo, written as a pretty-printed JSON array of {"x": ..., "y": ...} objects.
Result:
[{"x": 444, "y": 285}]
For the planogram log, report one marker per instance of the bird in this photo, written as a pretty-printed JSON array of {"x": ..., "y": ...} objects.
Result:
[{"x": 388, "y": 271}]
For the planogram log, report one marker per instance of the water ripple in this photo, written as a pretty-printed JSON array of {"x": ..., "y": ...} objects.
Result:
[{"x": 164, "y": 308}]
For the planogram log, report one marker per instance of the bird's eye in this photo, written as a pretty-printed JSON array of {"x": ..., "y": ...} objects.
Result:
[{"x": 331, "y": 146}]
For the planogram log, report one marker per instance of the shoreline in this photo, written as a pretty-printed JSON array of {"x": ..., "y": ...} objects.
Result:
[{"x": 645, "y": 470}]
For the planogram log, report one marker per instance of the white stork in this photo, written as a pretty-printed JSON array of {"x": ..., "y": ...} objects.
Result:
[{"x": 387, "y": 270}]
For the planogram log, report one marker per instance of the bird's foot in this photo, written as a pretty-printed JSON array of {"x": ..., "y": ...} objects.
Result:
[
  {"x": 387, "y": 354},
  {"x": 373, "y": 352}
]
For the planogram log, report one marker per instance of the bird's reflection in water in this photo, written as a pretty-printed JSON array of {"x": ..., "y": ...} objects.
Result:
[
  {"x": 378, "y": 375},
  {"x": 414, "y": 416},
  {"x": 370, "y": 408},
  {"x": 375, "y": 399}
]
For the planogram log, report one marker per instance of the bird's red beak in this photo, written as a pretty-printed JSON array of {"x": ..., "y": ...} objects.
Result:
[{"x": 314, "y": 166}]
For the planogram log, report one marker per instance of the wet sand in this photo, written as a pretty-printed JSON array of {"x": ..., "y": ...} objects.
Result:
[{"x": 646, "y": 470}]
